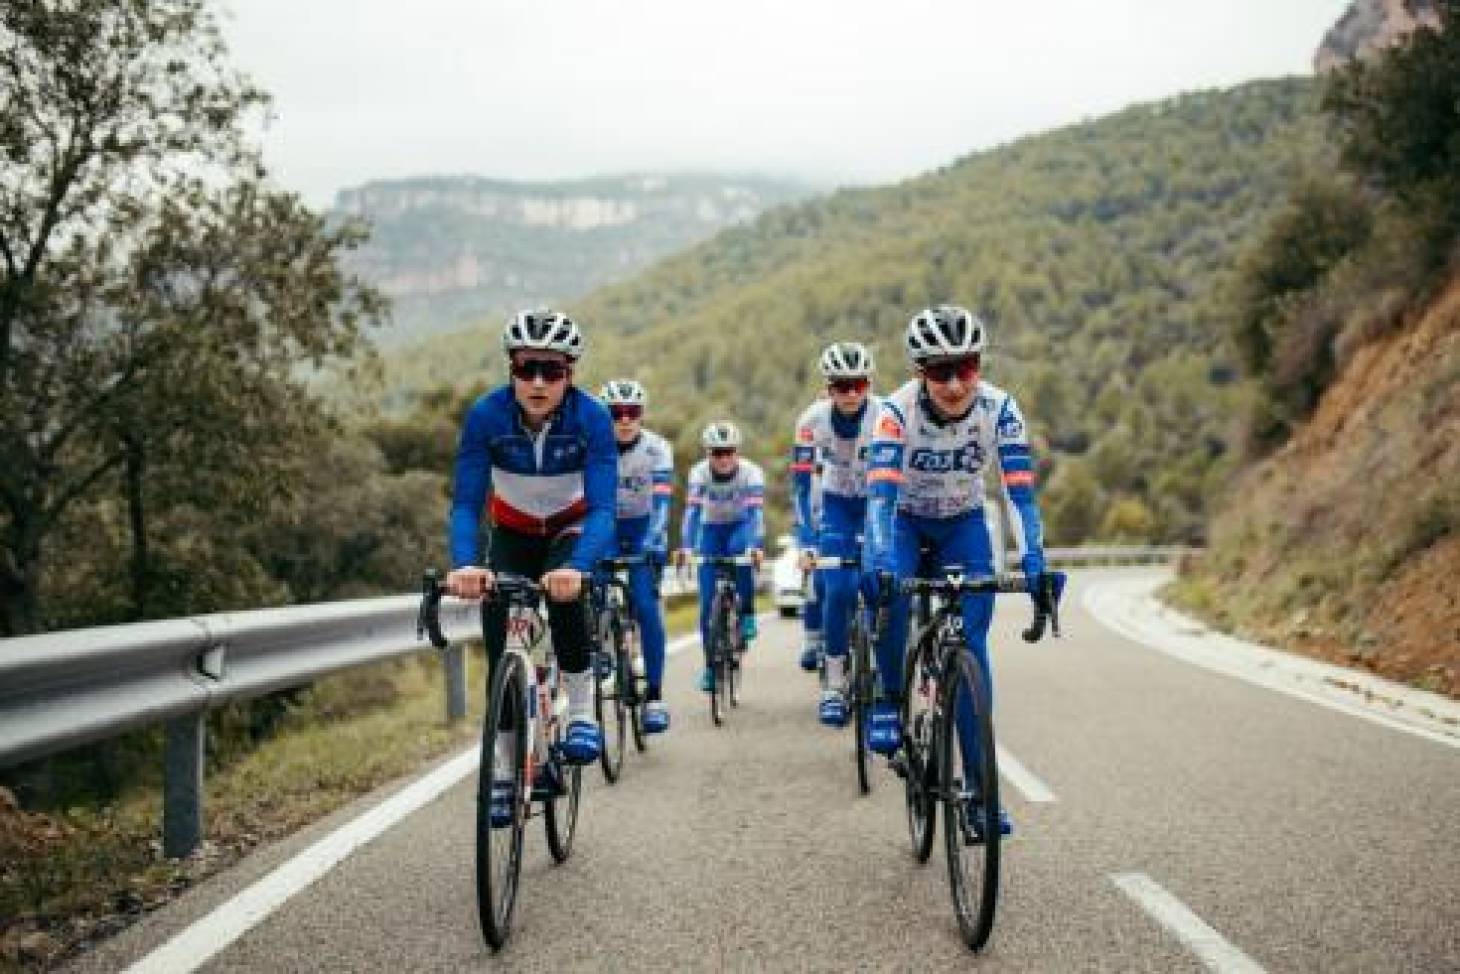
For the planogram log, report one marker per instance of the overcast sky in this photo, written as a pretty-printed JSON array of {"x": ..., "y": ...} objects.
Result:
[{"x": 831, "y": 91}]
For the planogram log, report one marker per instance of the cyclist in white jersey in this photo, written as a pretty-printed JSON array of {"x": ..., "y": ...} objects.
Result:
[
  {"x": 935, "y": 439},
  {"x": 836, "y": 432},
  {"x": 645, "y": 486},
  {"x": 724, "y": 515}
]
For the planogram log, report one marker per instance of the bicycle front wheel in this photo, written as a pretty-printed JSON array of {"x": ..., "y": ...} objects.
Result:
[
  {"x": 859, "y": 687},
  {"x": 608, "y": 698},
  {"x": 635, "y": 688},
  {"x": 971, "y": 831},
  {"x": 503, "y": 770}
]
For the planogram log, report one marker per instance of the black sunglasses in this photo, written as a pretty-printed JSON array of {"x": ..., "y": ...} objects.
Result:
[{"x": 535, "y": 368}]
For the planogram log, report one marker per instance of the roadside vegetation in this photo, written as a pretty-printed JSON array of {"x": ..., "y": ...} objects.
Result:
[{"x": 1341, "y": 536}]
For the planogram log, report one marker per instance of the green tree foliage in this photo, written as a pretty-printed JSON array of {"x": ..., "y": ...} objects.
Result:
[
  {"x": 1400, "y": 120},
  {"x": 156, "y": 301}
]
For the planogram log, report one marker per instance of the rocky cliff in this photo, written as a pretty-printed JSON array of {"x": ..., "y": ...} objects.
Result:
[
  {"x": 1369, "y": 26},
  {"x": 451, "y": 250}
]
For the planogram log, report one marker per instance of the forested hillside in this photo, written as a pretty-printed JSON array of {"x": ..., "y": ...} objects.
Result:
[{"x": 1098, "y": 253}]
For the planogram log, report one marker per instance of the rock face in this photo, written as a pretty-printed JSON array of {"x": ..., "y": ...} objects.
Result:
[
  {"x": 451, "y": 250},
  {"x": 1369, "y": 26}
]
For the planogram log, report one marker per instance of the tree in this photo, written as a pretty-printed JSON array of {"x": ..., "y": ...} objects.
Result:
[
  {"x": 1400, "y": 116},
  {"x": 156, "y": 297}
]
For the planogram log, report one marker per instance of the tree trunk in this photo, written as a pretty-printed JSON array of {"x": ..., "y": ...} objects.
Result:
[
  {"x": 141, "y": 567},
  {"x": 20, "y": 579}
]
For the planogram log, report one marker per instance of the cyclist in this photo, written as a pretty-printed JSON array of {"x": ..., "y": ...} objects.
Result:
[
  {"x": 935, "y": 438},
  {"x": 645, "y": 485},
  {"x": 723, "y": 515},
  {"x": 813, "y": 647},
  {"x": 836, "y": 431},
  {"x": 543, "y": 450}
]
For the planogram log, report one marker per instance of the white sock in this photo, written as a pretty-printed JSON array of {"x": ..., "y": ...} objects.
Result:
[
  {"x": 580, "y": 695},
  {"x": 836, "y": 672}
]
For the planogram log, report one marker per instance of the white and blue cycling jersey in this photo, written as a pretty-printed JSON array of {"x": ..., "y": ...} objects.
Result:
[
  {"x": 646, "y": 485},
  {"x": 558, "y": 480},
  {"x": 839, "y": 445},
  {"x": 928, "y": 468},
  {"x": 734, "y": 503}
]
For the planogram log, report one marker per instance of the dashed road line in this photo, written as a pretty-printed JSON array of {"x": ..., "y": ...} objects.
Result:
[
  {"x": 1021, "y": 778},
  {"x": 1209, "y": 946}
]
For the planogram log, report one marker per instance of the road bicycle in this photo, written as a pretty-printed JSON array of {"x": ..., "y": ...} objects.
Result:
[
  {"x": 522, "y": 761},
  {"x": 940, "y": 673},
  {"x": 619, "y": 684},
  {"x": 727, "y": 642},
  {"x": 861, "y": 674}
]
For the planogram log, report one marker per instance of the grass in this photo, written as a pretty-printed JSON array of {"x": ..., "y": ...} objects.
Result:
[{"x": 71, "y": 877}]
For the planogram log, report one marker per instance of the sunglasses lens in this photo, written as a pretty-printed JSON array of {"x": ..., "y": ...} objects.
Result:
[
  {"x": 626, "y": 412},
  {"x": 964, "y": 369},
  {"x": 848, "y": 385},
  {"x": 723, "y": 452},
  {"x": 536, "y": 368}
]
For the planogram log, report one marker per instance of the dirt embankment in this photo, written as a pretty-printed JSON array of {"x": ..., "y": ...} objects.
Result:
[{"x": 1346, "y": 543}]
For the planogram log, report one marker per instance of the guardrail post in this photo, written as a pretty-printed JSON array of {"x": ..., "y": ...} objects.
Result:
[
  {"x": 182, "y": 785},
  {"x": 453, "y": 659}
]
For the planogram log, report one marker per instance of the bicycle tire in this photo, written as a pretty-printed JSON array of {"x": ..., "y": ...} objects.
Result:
[
  {"x": 636, "y": 687},
  {"x": 920, "y": 746},
  {"x": 859, "y": 683},
  {"x": 611, "y": 704},
  {"x": 715, "y": 657},
  {"x": 499, "y": 850},
  {"x": 560, "y": 813},
  {"x": 973, "y": 850}
]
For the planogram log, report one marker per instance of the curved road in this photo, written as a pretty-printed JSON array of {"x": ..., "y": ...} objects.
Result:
[{"x": 1277, "y": 834}]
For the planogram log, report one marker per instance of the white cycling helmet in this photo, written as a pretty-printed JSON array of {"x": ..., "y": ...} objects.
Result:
[
  {"x": 544, "y": 329},
  {"x": 946, "y": 331},
  {"x": 847, "y": 360},
  {"x": 721, "y": 436},
  {"x": 624, "y": 392}
]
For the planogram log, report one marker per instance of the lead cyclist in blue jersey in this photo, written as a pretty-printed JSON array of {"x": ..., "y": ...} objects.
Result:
[
  {"x": 835, "y": 432},
  {"x": 543, "y": 451},
  {"x": 934, "y": 440},
  {"x": 645, "y": 486}
]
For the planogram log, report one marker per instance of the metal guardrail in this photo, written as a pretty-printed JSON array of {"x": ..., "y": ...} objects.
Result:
[{"x": 66, "y": 689}]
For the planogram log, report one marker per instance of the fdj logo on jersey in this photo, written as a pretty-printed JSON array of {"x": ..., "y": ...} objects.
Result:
[{"x": 968, "y": 458}]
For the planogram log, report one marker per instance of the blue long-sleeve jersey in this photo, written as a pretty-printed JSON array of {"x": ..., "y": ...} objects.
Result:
[{"x": 562, "y": 478}]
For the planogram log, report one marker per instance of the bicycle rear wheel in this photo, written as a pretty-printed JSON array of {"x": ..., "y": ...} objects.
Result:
[
  {"x": 560, "y": 813},
  {"x": 608, "y": 701},
  {"x": 504, "y": 760},
  {"x": 971, "y": 832},
  {"x": 919, "y": 744}
]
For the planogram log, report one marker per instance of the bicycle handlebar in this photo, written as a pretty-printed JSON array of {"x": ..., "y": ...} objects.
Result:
[
  {"x": 1046, "y": 598},
  {"x": 723, "y": 560},
  {"x": 428, "y": 617},
  {"x": 622, "y": 562}
]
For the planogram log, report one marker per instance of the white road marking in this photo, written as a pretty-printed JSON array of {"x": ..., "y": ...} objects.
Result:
[
  {"x": 1209, "y": 946},
  {"x": 209, "y": 935},
  {"x": 1127, "y": 606},
  {"x": 1020, "y": 777}
]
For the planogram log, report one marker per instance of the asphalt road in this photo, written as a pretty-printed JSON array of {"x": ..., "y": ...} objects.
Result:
[{"x": 1305, "y": 839}]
